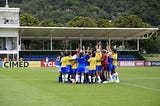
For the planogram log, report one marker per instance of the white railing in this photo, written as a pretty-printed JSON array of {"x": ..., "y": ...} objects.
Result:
[
  {"x": 8, "y": 51},
  {"x": 9, "y": 47}
]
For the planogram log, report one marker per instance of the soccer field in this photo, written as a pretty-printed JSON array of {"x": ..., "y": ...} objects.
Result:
[{"x": 139, "y": 86}]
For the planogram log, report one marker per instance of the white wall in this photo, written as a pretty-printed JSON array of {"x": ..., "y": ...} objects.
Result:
[
  {"x": 9, "y": 16},
  {"x": 8, "y": 32}
]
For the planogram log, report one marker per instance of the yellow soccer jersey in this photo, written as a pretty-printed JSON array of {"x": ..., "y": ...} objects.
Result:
[
  {"x": 98, "y": 58},
  {"x": 63, "y": 62},
  {"x": 114, "y": 56},
  {"x": 92, "y": 62},
  {"x": 74, "y": 64},
  {"x": 68, "y": 59}
]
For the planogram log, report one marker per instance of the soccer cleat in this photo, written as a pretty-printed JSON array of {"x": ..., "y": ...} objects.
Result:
[
  {"x": 89, "y": 82},
  {"x": 99, "y": 81},
  {"x": 117, "y": 81},
  {"x": 105, "y": 82}
]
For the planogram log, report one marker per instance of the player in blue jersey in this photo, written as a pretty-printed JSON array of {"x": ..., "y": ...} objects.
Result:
[
  {"x": 86, "y": 57},
  {"x": 110, "y": 66},
  {"x": 81, "y": 68},
  {"x": 58, "y": 65}
]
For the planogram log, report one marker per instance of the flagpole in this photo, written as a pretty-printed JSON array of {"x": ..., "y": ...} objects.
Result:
[{"x": 6, "y": 4}]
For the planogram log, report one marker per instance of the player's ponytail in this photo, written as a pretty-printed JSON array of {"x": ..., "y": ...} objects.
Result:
[{"x": 81, "y": 55}]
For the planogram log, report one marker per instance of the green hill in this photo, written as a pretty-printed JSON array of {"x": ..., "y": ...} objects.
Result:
[{"x": 62, "y": 11}]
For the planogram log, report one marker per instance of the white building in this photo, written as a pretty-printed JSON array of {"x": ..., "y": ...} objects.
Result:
[{"x": 9, "y": 34}]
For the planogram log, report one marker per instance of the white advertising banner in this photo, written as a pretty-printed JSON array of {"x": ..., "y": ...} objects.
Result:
[{"x": 126, "y": 63}]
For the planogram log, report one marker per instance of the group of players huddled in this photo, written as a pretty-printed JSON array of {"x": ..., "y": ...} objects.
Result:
[{"x": 86, "y": 66}]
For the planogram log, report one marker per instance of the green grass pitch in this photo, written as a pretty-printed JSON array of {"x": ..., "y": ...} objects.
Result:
[{"x": 139, "y": 86}]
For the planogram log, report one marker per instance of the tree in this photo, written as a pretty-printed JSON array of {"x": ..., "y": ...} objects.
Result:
[
  {"x": 130, "y": 21},
  {"x": 148, "y": 10},
  {"x": 82, "y": 22},
  {"x": 151, "y": 45},
  {"x": 28, "y": 20},
  {"x": 47, "y": 23},
  {"x": 105, "y": 23}
]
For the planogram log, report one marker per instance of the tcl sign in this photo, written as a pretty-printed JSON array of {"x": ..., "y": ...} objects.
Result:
[{"x": 48, "y": 63}]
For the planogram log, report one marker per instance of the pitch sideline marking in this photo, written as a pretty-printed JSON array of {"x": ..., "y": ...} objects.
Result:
[
  {"x": 54, "y": 71},
  {"x": 143, "y": 78},
  {"x": 28, "y": 79},
  {"x": 138, "y": 86}
]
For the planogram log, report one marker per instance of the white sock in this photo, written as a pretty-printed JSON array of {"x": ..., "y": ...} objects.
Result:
[
  {"x": 89, "y": 78},
  {"x": 66, "y": 77},
  {"x": 70, "y": 77},
  {"x": 94, "y": 79},
  {"x": 63, "y": 78},
  {"x": 82, "y": 79},
  {"x": 71, "y": 80},
  {"x": 110, "y": 77},
  {"x": 113, "y": 77},
  {"x": 99, "y": 79},
  {"x": 79, "y": 77},
  {"x": 117, "y": 78},
  {"x": 76, "y": 78}
]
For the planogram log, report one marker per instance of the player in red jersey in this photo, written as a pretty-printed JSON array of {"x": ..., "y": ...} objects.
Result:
[{"x": 104, "y": 64}]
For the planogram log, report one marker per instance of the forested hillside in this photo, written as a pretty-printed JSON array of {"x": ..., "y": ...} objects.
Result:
[{"x": 62, "y": 11}]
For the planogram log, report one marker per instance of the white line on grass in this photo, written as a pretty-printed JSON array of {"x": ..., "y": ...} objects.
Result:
[
  {"x": 50, "y": 70},
  {"x": 143, "y": 78},
  {"x": 28, "y": 79},
  {"x": 138, "y": 86}
]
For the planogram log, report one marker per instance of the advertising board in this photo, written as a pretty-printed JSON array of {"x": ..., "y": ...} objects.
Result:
[
  {"x": 139, "y": 63},
  {"x": 155, "y": 63},
  {"x": 126, "y": 63},
  {"x": 48, "y": 63},
  {"x": 17, "y": 64}
]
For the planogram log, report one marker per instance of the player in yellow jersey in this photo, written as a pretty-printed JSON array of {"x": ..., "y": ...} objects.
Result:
[
  {"x": 98, "y": 64},
  {"x": 115, "y": 66},
  {"x": 92, "y": 68},
  {"x": 63, "y": 67},
  {"x": 98, "y": 60},
  {"x": 68, "y": 66},
  {"x": 74, "y": 64}
]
